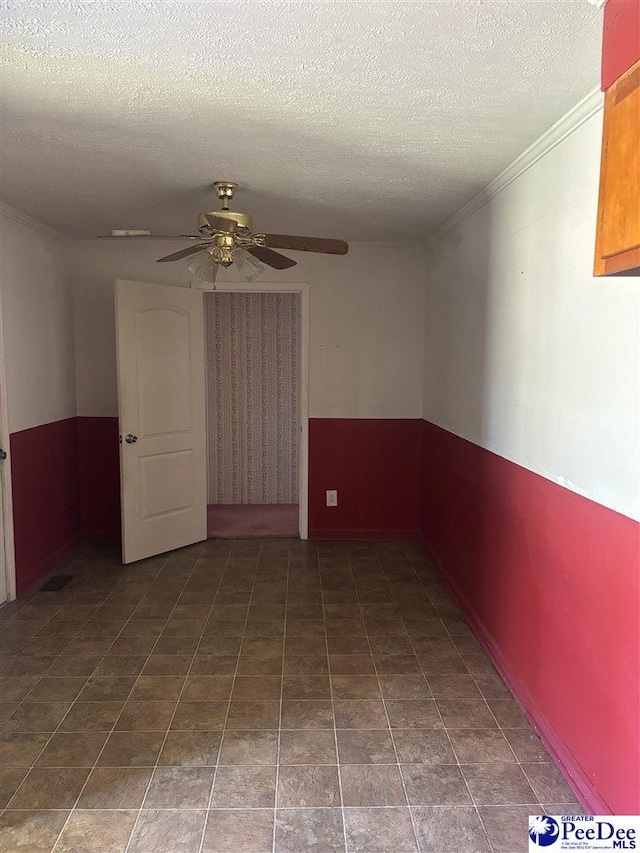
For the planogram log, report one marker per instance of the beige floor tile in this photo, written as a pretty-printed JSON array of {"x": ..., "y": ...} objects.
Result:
[
  {"x": 450, "y": 829},
  {"x": 175, "y": 831},
  {"x": 480, "y": 746},
  {"x": 31, "y": 831},
  {"x": 191, "y": 749},
  {"x": 57, "y": 689},
  {"x": 365, "y": 747},
  {"x": 372, "y": 785},
  {"x": 507, "y": 827},
  {"x": 435, "y": 784},
  {"x": 21, "y": 749},
  {"x": 308, "y": 786},
  {"x": 314, "y": 830},
  {"x": 307, "y": 747},
  {"x": 423, "y": 746},
  {"x": 498, "y": 784},
  {"x": 50, "y": 788},
  {"x": 360, "y": 714},
  {"x": 239, "y": 830},
  {"x": 355, "y": 687},
  {"x": 206, "y": 715},
  {"x": 72, "y": 749},
  {"x": 37, "y": 716},
  {"x": 131, "y": 749},
  {"x": 244, "y": 715},
  {"x": 10, "y": 780},
  {"x": 249, "y": 747},
  {"x": 180, "y": 788},
  {"x": 107, "y": 688},
  {"x": 244, "y": 787},
  {"x": 157, "y": 687},
  {"x": 376, "y": 830},
  {"x": 139, "y": 716},
  {"x": 81, "y": 832},
  {"x": 92, "y": 716},
  {"x": 115, "y": 788}
]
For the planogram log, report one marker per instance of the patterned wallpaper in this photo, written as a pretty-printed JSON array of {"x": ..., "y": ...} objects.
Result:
[{"x": 253, "y": 393}]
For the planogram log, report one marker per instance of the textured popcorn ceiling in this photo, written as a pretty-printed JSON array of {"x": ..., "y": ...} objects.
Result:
[{"x": 364, "y": 120}]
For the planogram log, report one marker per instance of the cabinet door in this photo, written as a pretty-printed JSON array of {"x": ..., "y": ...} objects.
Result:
[{"x": 618, "y": 231}]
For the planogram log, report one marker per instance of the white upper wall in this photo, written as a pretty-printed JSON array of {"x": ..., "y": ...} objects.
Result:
[
  {"x": 526, "y": 353},
  {"x": 366, "y": 323},
  {"x": 37, "y": 317}
]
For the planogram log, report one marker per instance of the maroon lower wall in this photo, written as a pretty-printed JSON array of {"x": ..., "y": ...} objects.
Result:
[
  {"x": 44, "y": 478},
  {"x": 373, "y": 463},
  {"x": 66, "y": 484},
  {"x": 375, "y": 466},
  {"x": 99, "y": 464},
  {"x": 550, "y": 582}
]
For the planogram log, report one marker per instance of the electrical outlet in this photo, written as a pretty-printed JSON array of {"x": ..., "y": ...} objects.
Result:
[{"x": 332, "y": 497}]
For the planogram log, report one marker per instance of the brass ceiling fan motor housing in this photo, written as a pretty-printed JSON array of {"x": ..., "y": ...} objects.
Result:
[
  {"x": 244, "y": 223},
  {"x": 225, "y": 191}
]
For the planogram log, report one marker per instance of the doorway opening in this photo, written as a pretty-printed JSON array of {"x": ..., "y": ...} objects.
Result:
[
  {"x": 256, "y": 340},
  {"x": 7, "y": 553}
]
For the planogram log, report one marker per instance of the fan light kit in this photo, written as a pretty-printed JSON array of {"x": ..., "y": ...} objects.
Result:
[{"x": 228, "y": 238}]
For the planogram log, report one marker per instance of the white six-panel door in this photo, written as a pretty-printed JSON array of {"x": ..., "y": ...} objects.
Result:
[{"x": 161, "y": 407}]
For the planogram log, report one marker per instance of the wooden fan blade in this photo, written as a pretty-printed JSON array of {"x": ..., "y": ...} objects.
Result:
[
  {"x": 221, "y": 223},
  {"x": 184, "y": 253},
  {"x": 123, "y": 238},
  {"x": 306, "y": 244},
  {"x": 272, "y": 259}
]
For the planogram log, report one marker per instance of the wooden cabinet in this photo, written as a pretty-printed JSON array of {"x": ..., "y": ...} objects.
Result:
[{"x": 618, "y": 228}]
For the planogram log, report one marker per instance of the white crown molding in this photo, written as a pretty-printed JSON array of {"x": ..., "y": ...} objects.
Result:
[
  {"x": 34, "y": 224},
  {"x": 564, "y": 127}
]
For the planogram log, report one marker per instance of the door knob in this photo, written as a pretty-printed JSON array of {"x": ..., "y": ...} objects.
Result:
[
  {"x": 3, "y": 454},
  {"x": 130, "y": 439}
]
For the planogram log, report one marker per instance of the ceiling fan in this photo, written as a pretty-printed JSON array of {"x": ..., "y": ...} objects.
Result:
[{"x": 228, "y": 238}]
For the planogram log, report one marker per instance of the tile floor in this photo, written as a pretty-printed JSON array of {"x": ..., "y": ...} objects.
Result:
[{"x": 259, "y": 696}]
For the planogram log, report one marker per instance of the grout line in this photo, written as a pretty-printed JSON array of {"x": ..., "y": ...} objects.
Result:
[
  {"x": 333, "y": 710},
  {"x": 384, "y": 703},
  {"x": 243, "y": 807},
  {"x": 437, "y": 707},
  {"x": 163, "y": 566},
  {"x": 155, "y": 767},
  {"x": 233, "y": 683},
  {"x": 446, "y": 730},
  {"x": 284, "y": 647}
]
